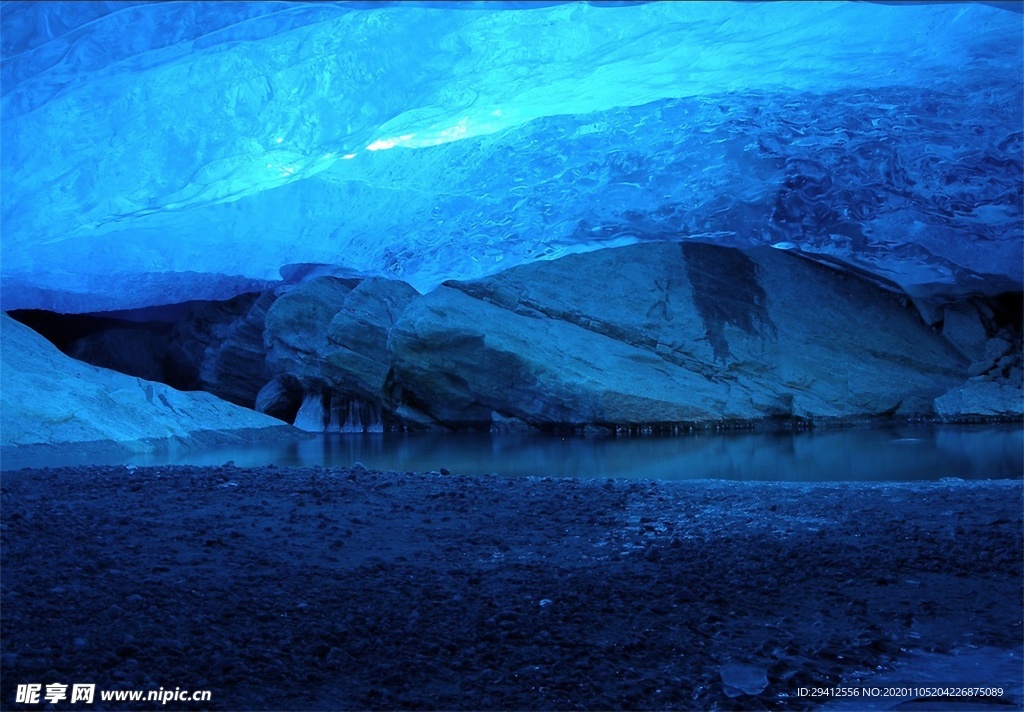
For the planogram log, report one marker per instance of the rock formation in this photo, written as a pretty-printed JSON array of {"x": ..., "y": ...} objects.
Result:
[
  {"x": 231, "y": 360},
  {"x": 48, "y": 399},
  {"x": 296, "y": 329},
  {"x": 215, "y": 347},
  {"x": 663, "y": 333},
  {"x": 134, "y": 349},
  {"x": 654, "y": 336},
  {"x": 995, "y": 376},
  {"x": 327, "y": 342}
]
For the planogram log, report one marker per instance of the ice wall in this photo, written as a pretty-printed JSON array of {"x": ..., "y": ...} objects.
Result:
[{"x": 160, "y": 150}]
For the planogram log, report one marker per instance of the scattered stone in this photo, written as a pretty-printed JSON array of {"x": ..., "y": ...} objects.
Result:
[
  {"x": 410, "y": 595},
  {"x": 741, "y": 679},
  {"x": 997, "y": 348}
]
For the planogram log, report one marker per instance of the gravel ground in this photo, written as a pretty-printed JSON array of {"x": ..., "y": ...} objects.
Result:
[{"x": 322, "y": 589}]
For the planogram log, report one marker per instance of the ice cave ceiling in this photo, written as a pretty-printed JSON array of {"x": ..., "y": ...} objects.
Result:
[{"x": 159, "y": 152}]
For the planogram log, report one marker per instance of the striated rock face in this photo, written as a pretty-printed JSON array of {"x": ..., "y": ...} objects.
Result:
[
  {"x": 664, "y": 333},
  {"x": 215, "y": 347},
  {"x": 48, "y": 399},
  {"x": 280, "y": 398},
  {"x": 296, "y": 329},
  {"x": 328, "y": 339},
  {"x": 357, "y": 336},
  {"x": 963, "y": 326},
  {"x": 224, "y": 343},
  {"x": 657, "y": 335}
]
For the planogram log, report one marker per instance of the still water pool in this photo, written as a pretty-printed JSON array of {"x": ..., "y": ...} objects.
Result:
[{"x": 894, "y": 454}]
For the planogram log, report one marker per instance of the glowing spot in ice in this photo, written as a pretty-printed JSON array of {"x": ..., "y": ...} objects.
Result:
[
  {"x": 347, "y": 156},
  {"x": 279, "y": 140},
  {"x": 455, "y": 132},
  {"x": 385, "y": 143},
  {"x": 381, "y": 144}
]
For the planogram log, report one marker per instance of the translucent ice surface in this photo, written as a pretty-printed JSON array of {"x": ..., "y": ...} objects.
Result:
[{"x": 155, "y": 152}]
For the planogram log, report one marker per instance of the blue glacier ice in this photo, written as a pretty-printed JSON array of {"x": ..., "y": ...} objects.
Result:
[{"x": 152, "y": 153}]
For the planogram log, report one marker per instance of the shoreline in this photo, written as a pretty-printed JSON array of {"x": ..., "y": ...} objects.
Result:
[
  {"x": 344, "y": 588},
  {"x": 915, "y": 452},
  {"x": 27, "y": 455}
]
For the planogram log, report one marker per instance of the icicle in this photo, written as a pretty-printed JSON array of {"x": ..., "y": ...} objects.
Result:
[
  {"x": 355, "y": 415},
  {"x": 312, "y": 415}
]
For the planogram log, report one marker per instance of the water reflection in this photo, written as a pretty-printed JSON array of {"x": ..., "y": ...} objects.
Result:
[{"x": 880, "y": 454}]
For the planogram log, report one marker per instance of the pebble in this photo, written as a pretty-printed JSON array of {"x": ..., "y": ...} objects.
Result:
[
  {"x": 743, "y": 679},
  {"x": 405, "y": 602}
]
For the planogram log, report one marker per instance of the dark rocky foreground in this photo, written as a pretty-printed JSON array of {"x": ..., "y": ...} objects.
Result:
[{"x": 349, "y": 589}]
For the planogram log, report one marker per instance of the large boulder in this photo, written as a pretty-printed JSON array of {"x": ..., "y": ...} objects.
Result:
[
  {"x": 280, "y": 397},
  {"x": 982, "y": 399},
  {"x": 964, "y": 327},
  {"x": 327, "y": 344},
  {"x": 296, "y": 329},
  {"x": 357, "y": 336},
  {"x": 49, "y": 400},
  {"x": 665, "y": 333}
]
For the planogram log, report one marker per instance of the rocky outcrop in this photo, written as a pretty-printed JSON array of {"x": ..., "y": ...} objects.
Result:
[
  {"x": 215, "y": 347},
  {"x": 329, "y": 337},
  {"x": 296, "y": 329},
  {"x": 652, "y": 336},
  {"x": 982, "y": 399},
  {"x": 280, "y": 398},
  {"x": 963, "y": 326},
  {"x": 235, "y": 368},
  {"x": 995, "y": 377},
  {"x": 50, "y": 400},
  {"x": 664, "y": 333},
  {"x": 223, "y": 343},
  {"x": 357, "y": 336}
]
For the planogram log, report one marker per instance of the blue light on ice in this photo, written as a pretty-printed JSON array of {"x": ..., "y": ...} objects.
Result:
[{"x": 227, "y": 140}]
